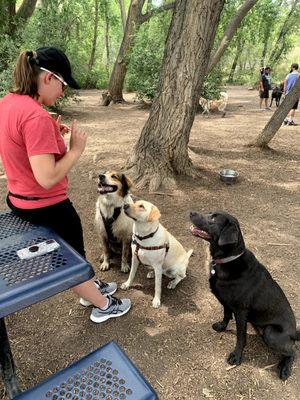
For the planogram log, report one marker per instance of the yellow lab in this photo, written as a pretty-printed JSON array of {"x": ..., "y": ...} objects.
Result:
[{"x": 154, "y": 246}]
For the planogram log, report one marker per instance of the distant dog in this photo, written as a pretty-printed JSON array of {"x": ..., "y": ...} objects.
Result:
[
  {"x": 154, "y": 246},
  {"x": 113, "y": 225},
  {"x": 246, "y": 289},
  {"x": 210, "y": 105},
  {"x": 276, "y": 94}
]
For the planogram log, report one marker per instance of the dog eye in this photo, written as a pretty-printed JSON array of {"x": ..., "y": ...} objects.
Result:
[
  {"x": 114, "y": 176},
  {"x": 141, "y": 206}
]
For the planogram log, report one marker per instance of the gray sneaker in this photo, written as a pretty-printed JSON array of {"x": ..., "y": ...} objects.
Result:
[
  {"x": 116, "y": 308},
  {"x": 106, "y": 289}
]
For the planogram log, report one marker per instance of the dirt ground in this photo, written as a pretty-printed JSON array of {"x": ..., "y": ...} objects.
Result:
[{"x": 174, "y": 346}]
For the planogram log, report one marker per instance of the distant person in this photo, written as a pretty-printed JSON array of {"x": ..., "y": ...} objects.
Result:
[
  {"x": 289, "y": 83},
  {"x": 37, "y": 162},
  {"x": 264, "y": 88}
]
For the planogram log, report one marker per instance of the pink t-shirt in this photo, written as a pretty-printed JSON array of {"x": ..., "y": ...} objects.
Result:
[{"x": 26, "y": 129}]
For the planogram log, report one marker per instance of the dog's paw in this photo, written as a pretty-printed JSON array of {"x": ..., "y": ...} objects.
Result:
[
  {"x": 284, "y": 370},
  {"x": 156, "y": 302},
  {"x": 150, "y": 275},
  {"x": 125, "y": 285},
  {"x": 219, "y": 326},
  {"x": 172, "y": 284},
  {"x": 234, "y": 358},
  {"x": 125, "y": 267},
  {"x": 104, "y": 266}
]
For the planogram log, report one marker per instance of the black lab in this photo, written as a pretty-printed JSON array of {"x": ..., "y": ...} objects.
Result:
[
  {"x": 246, "y": 290},
  {"x": 276, "y": 94}
]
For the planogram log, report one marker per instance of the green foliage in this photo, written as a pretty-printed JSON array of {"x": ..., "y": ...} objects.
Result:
[
  {"x": 145, "y": 60},
  {"x": 69, "y": 25}
]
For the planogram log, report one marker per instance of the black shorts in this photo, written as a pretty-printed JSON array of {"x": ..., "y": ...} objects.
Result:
[
  {"x": 61, "y": 217},
  {"x": 295, "y": 106},
  {"x": 264, "y": 94}
]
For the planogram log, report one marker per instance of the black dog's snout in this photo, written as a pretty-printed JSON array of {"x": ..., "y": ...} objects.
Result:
[{"x": 193, "y": 214}]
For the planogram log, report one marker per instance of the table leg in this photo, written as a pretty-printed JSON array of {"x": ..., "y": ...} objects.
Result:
[{"x": 7, "y": 366}]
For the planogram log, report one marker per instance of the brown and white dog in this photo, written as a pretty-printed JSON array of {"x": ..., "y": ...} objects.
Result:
[
  {"x": 113, "y": 225},
  {"x": 211, "y": 105},
  {"x": 154, "y": 246}
]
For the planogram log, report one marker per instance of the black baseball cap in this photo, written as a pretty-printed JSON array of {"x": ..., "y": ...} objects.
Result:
[{"x": 55, "y": 60}]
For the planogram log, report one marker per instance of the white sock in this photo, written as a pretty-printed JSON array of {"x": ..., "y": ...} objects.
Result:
[
  {"x": 289, "y": 119},
  {"x": 105, "y": 307}
]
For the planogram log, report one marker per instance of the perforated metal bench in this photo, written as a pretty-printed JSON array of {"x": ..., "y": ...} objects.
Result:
[
  {"x": 107, "y": 373},
  {"x": 26, "y": 282}
]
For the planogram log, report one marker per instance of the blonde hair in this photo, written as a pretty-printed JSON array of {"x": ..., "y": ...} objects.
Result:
[{"x": 26, "y": 73}]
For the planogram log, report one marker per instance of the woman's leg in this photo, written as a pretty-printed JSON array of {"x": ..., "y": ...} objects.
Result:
[{"x": 64, "y": 220}]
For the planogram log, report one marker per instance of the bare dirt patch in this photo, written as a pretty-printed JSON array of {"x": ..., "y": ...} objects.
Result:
[{"x": 175, "y": 346}]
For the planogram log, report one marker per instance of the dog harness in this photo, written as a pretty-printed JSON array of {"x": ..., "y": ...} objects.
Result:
[
  {"x": 139, "y": 246},
  {"x": 217, "y": 261},
  {"x": 108, "y": 223}
]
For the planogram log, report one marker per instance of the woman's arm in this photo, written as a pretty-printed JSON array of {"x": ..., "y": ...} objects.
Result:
[{"x": 49, "y": 172}]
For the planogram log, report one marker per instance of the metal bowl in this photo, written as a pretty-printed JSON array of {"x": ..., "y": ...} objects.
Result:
[{"x": 228, "y": 176}]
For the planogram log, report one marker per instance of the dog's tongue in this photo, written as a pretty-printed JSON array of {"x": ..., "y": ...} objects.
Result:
[{"x": 198, "y": 232}]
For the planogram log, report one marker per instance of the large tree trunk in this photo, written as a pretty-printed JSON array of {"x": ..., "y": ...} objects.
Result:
[
  {"x": 230, "y": 31},
  {"x": 106, "y": 35},
  {"x": 162, "y": 149},
  {"x": 277, "y": 118}
]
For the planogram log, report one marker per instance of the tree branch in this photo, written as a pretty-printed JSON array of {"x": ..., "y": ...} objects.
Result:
[
  {"x": 26, "y": 9},
  {"x": 145, "y": 17},
  {"x": 229, "y": 33}
]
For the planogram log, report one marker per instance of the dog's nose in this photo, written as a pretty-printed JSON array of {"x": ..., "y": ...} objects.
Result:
[
  {"x": 101, "y": 177},
  {"x": 193, "y": 214},
  {"x": 126, "y": 206}
]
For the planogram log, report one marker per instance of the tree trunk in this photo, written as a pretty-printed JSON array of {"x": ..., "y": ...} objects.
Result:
[
  {"x": 162, "y": 149},
  {"x": 239, "y": 48},
  {"x": 116, "y": 82},
  {"x": 277, "y": 118},
  {"x": 95, "y": 37},
  {"x": 106, "y": 35},
  {"x": 13, "y": 18},
  {"x": 230, "y": 31},
  {"x": 134, "y": 20},
  {"x": 123, "y": 13}
]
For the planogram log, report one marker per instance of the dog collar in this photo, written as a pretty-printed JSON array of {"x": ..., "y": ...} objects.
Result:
[
  {"x": 146, "y": 237},
  {"x": 222, "y": 261}
]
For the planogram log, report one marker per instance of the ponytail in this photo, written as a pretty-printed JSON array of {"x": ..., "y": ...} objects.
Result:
[{"x": 26, "y": 73}]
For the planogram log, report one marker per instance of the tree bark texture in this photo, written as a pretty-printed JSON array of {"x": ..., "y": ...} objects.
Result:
[
  {"x": 277, "y": 118},
  {"x": 162, "y": 149},
  {"x": 230, "y": 31}
]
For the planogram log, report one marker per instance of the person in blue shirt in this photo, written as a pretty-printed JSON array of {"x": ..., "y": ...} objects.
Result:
[{"x": 289, "y": 83}]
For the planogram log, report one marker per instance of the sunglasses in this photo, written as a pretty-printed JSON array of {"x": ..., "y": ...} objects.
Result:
[{"x": 63, "y": 83}]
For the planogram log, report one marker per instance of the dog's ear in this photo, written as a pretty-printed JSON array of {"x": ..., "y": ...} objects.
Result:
[
  {"x": 154, "y": 214},
  {"x": 126, "y": 184},
  {"x": 229, "y": 235}
]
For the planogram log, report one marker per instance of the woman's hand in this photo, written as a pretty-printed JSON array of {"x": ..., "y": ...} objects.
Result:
[
  {"x": 78, "y": 139},
  {"x": 63, "y": 129}
]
